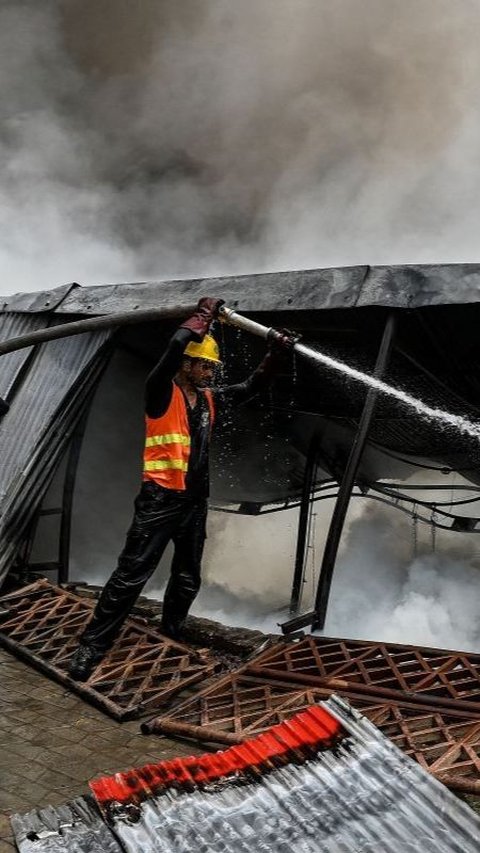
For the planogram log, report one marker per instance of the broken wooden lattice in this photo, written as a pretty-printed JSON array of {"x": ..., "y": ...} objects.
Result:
[
  {"x": 444, "y": 740},
  {"x": 449, "y": 679},
  {"x": 41, "y": 623}
]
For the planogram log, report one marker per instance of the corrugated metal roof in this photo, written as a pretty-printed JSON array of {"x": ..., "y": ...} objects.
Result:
[
  {"x": 290, "y": 793},
  {"x": 54, "y": 385},
  {"x": 75, "y": 826},
  {"x": 11, "y": 326},
  {"x": 403, "y": 286}
]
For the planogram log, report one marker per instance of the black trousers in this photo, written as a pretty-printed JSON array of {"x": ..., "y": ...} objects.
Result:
[{"x": 160, "y": 515}]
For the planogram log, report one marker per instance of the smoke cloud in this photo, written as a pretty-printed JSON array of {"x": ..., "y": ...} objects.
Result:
[
  {"x": 392, "y": 581},
  {"x": 162, "y": 139}
]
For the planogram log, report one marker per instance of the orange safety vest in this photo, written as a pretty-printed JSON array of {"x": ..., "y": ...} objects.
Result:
[{"x": 167, "y": 442}]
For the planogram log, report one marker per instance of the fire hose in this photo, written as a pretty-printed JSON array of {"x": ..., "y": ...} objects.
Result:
[
  {"x": 228, "y": 315},
  {"x": 110, "y": 321},
  {"x": 114, "y": 321}
]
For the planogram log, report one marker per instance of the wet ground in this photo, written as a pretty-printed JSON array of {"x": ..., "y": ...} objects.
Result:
[{"x": 52, "y": 743}]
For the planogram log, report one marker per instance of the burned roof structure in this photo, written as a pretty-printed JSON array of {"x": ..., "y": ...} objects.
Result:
[
  {"x": 281, "y": 450},
  {"x": 426, "y": 700},
  {"x": 325, "y": 780}
]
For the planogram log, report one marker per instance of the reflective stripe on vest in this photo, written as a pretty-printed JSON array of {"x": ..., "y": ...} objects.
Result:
[
  {"x": 168, "y": 438},
  {"x": 166, "y": 465},
  {"x": 167, "y": 442}
]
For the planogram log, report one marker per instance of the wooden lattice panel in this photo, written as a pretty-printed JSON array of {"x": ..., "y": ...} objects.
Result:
[
  {"x": 241, "y": 706},
  {"x": 451, "y": 679},
  {"x": 42, "y": 623},
  {"x": 442, "y": 743}
]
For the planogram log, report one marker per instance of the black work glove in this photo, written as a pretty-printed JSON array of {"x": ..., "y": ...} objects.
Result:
[
  {"x": 279, "y": 354},
  {"x": 206, "y": 311},
  {"x": 281, "y": 342}
]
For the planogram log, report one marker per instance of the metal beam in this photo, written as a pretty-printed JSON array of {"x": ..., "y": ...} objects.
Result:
[
  {"x": 316, "y": 618},
  {"x": 348, "y": 480},
  {"x": 306, "y": 504}
]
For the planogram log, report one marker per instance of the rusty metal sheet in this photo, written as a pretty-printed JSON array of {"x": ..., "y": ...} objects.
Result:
[
  {"x": 302, "y": 785},
  {"x": 241, "y": 704},
  {"x": 233, "y": 708},
  {"x": 41, "y": 623},
  {"x": 449, "y": 678}
]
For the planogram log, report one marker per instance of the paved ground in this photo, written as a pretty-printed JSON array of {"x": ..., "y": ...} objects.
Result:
[{"x": 52, "y": 743}]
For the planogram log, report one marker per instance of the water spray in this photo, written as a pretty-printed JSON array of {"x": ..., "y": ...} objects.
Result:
[
  {"x": 456, "y": 421},
  {"x": 228, "y": 315}
]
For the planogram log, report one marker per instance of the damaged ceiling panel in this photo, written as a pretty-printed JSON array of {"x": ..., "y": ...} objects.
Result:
[
  {"x": 327, "y": 780},
  {"x": 42, "y": 623},
  {"x": 49, "y": 391}
]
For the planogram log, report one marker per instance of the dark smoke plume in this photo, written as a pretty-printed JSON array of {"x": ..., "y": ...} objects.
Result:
[{"x": 158, "y": 138}]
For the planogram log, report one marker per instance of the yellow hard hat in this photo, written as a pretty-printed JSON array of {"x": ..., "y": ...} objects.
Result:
[{"x": 208, "y": 350}]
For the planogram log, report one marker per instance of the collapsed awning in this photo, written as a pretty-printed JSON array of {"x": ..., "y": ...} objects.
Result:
[
  {"x": 325, "y": 780},
  {"x": 48, "y": 389}
]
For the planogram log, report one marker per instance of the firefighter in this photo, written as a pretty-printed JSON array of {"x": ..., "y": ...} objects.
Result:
[{"x": 172, "y": 503}]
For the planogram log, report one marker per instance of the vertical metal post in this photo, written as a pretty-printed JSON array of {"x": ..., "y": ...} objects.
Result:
[
  {"x": 309, "y": 477},
  {"x": 348, "y": 481}
]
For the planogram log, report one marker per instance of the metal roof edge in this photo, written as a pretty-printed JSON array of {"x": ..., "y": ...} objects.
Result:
[
  {"x": 39, "y": 301},
  {"x": 393, "y": 286}
]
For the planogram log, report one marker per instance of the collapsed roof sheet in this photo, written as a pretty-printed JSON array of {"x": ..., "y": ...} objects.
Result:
[
  {"x": 406, "y": 286},
  {"x": 48, "y": 389},
  {"x": 327, "y": 780},
  {"x": 75, "y": 826}
]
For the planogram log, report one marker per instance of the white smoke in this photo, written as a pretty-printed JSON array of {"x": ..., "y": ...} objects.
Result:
[
  {"x": 382, "y": 589},
  {"x": 393, "y": 580}
]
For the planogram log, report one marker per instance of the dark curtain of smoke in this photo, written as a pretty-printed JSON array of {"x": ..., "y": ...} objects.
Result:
[{"x": 159, "y": 138}]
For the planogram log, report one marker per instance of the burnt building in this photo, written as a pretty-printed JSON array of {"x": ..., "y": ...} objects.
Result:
[{"x": 288, "y": 448}]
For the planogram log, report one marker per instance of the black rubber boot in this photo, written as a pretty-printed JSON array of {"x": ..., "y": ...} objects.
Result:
[
  {"x": 83, "y": 662},
  {"x": 173, "y": 629}
]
